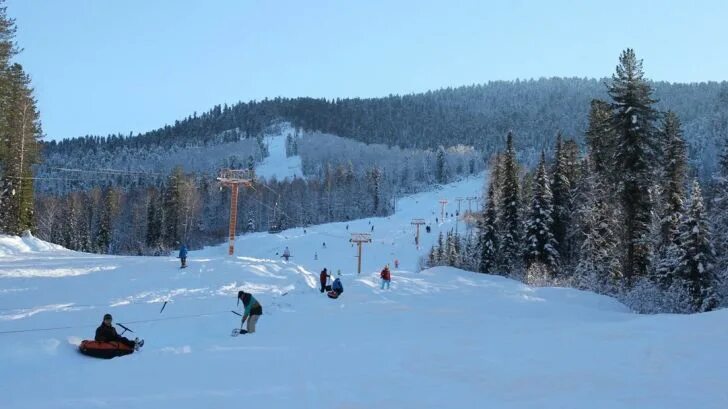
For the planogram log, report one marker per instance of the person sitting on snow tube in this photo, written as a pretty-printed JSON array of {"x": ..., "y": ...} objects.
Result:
[
  {"x": 107, "y": 333},
  {"x": 336, "y": 289}
]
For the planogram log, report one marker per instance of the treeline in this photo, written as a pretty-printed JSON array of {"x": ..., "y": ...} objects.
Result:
[
  {"x": 624, "y": 219},
  {"x": 20, "y": 134},
  {"x": 156, "y": 216},
  {"x": 477, "y": 115}
]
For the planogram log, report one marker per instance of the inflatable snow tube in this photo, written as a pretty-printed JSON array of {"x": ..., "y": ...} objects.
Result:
[{"x": 104, "y": 350}]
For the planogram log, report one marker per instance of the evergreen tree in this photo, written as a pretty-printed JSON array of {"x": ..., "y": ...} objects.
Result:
[
  {"x": 673, "y": 178},
  {"x": 20, "y": 134},
  {"x": 698, "y": 258},
  {"x": 541, "y": 246},
  {"x": 600, "y": 138},
  {"x": 488, "y": 234},
  {"x": 510, "y": 207},
  {"x": 719, "y": 221},
  {"x": 442, "y": 172},
  {"x": 633, "y": 122},
  {"x": 561, "y": 190},
  {"x": 104, "y": 229}
]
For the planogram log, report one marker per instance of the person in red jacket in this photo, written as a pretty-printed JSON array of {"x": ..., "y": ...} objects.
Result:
[
  {"x": 323, "y": 278},
  {"x": 386, "y": 276}
]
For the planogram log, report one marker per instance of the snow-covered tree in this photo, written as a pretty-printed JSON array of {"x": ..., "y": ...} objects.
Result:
[
  {"x": 488, "y": 236},
  {"x": 633, "y": 122},
  {"x": 541, "y": 246},
  {"x": 698, "y": 259},
  {"x": 510, "y": 208}
]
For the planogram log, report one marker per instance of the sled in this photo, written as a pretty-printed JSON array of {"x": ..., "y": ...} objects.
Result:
[
  {"x": 104, "y": 350},
  {"x": 333, "y": 294}
]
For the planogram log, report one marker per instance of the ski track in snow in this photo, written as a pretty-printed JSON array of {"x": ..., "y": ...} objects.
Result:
[{"x": 438, "y": 338}]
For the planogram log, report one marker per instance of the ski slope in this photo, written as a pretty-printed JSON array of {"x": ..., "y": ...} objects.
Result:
[
  {"x": 441, "y": 338},
  {"x": 277, "y": 164}
]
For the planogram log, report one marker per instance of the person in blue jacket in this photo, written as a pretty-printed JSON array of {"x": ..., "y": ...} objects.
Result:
[
  {"x": 336, "y": 289},
  {"x": 183, "y": 256}
]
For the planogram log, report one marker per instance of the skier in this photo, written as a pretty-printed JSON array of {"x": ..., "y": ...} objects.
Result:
[
  {"x": 323, "y": 277},
  {"x": 396, "y": 263},
  {"x": 107, "y": 333},
  {"x": 372, "y": 227},
  {"x": 428, "y": 229},
  {"x": 386, "y": 276},
  {"x": 183, "y": 256},
  {"x": 286, "y": 253},
  {"x": 336, "y": 289},
  {"x": 253, "y": 311}
]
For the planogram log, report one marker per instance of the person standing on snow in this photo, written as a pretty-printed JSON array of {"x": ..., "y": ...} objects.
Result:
[
  {"x": 286, "y": 253},
  {"x": 386, "y": 276},
  {"x": 183, "y": 256},
  {"x": 323, "y": 277},
  {"x": 107, "y": 333},
  {"x": 253, "y": 311}
]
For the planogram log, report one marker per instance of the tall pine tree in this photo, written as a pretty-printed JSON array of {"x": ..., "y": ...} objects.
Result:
[
  {"x": 633, "y": 123},
  {"x": 510, "y": 206}
]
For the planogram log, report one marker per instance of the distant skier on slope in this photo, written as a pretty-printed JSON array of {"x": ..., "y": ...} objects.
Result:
[
  {"x": 323, "y": 277},
  {"x": 286, "y": 254},
  {"x": 336, "y": 289},
  {"x": 183, "y": 256},
  {"x": 253, "y": 311},
  {"x": 107, "y": 333},
  {"x": 386, "y": 277}
]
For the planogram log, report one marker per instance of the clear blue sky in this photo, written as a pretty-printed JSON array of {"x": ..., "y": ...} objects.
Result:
[{"x": 102, "y": 67}]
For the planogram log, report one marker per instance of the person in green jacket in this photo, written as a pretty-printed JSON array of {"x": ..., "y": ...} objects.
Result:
[{"x": 253, "y": 311}]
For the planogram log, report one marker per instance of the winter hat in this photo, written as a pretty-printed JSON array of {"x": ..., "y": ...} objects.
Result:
[
  {"x": 241, "y": 293},
  {"x": 107, "y": 317}
]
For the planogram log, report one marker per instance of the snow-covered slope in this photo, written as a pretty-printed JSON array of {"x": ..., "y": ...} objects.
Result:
[
  {"x": 439, "y": 338},
  {"x": 277, "y": 164}
]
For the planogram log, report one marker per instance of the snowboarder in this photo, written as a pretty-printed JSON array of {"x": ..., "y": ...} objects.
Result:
[
  {"x": 107, "y": 333},
  {"x": 183, "y": 256},
  {"x": 286, "y": 253},
  {"x": 336, "y": 289},
  {"x": 386, "y": 276},
  {"x": 323, "y": 277},
  {"x": 253, "y": 311}
]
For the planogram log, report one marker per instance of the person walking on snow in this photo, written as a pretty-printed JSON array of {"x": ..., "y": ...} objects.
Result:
[
  {"x": 183, "y": 256},
  {"x": 386, "y": 276},
  {"x": 323, "y": 277},
  {"x": 253, "y": 311},
  {"x": 107, "y": 333},
  {"x": 286, "y": 253}
]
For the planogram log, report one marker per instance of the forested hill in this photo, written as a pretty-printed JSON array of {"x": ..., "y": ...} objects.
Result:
[{"x": 478, "y": 115}]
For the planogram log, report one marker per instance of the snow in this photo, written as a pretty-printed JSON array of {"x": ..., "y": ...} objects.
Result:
[
  {"x": 277, "y": 164},
  {"x": 439, "y": 338}
]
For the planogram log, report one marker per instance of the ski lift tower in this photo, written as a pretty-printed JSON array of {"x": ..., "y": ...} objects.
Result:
[
  {"x": 233, "y": 178},
  {"x": 417, "y": 223},
  {"x": 443, "y": 203},
  {"x": 359, "y": 239}
]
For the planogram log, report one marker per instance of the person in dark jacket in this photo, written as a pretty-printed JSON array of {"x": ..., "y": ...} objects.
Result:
[
  {"x": 183, "y": 256},
  {"x": 386, "y": 276},
  {"x": 253, "y": 311},
  {"x": 323, "y": 277},
  {"x": 107, "y": 333}
]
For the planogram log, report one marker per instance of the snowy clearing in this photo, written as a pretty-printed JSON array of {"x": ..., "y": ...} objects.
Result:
[{"x": 440, "y": 338}]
